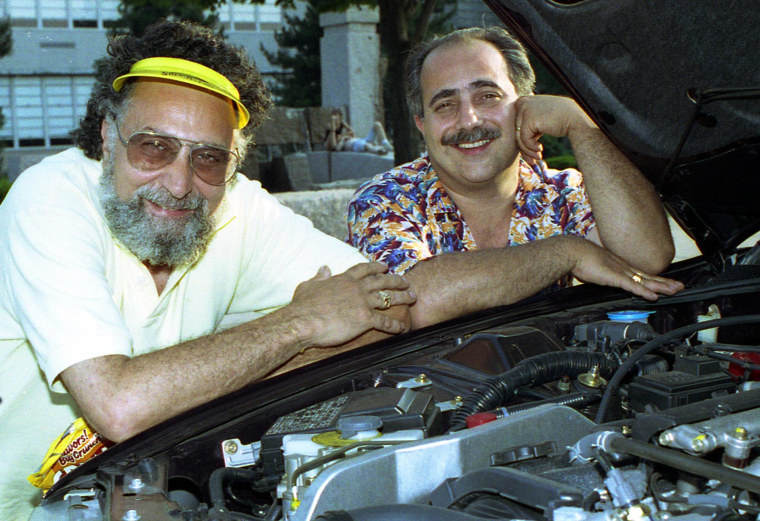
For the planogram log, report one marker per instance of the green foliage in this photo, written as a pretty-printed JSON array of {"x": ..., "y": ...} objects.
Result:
[
  {"x": 555, "y": 146},
  {"x": 6, "y": 41},
  {"x": 298, "y": 55},
  {"x": 562, "y": 162},
  {"x": 5, "y": 185},
  {"x": 6, "y": 44},
  {"x": 136, "y": 15},
  {"x": 546, "y": 82}
]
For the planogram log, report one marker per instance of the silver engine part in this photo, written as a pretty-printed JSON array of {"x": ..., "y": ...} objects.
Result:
[{"x": 406, "y": 474}]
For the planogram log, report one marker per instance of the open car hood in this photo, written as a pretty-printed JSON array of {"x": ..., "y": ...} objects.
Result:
[
  {"x": 582, "y": 404},
  {"x": 675, "y": 86}
]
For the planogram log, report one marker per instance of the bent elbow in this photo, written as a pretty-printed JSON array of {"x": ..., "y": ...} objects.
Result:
[
  {"x": 117, "y": 422},
  {"x": 662, "y": 257}
]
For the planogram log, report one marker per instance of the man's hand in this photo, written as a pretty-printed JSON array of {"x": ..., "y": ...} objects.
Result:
[
  {"x": 339, "y": 308},
  {"x": 551, "y": 115},
  {"x": 598, "y": 265}
]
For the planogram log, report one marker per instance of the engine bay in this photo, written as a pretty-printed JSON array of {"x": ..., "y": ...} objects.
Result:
[{"x": 622, "y": 410}]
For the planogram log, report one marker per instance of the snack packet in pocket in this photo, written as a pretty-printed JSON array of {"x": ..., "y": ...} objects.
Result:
[{"x": 77, "y": 444}]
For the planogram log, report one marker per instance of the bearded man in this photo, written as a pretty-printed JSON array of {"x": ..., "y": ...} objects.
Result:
[{"x": 140, "y": 276}]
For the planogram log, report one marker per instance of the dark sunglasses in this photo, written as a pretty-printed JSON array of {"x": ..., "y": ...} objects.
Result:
[{"x": 149, "y": 151}]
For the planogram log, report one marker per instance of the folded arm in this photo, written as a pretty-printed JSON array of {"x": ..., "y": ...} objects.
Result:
[
  {"x": 630, "y": 219},
  {"x": 121, "y": 396},
  {"x": 454, "y": 284}
]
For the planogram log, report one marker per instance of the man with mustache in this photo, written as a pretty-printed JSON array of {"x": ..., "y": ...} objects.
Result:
[
  {"x": 463, "y": 221},
  {"x": 140, "y": 276}
]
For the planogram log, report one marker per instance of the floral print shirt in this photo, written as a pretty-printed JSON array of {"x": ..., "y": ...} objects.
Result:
[{"x": 405, "y": 215}]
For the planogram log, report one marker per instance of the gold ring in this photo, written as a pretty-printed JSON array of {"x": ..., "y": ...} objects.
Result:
[
  {"x": 637, "y": 278},
  {"x": 386, "y": 299}
]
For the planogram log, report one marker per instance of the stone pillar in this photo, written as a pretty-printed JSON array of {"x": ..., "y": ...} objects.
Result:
[{"x": 349, "y": 52}]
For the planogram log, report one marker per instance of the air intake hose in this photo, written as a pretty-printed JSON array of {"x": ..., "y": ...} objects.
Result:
[{"x": 539, "y": 369}]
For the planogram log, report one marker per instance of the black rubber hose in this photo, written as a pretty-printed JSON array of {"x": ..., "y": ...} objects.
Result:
[
  {"x": 574, "y": 400},
  {"x": 397, "y": 513},
  {"x": 221, "y": 475},
  {"x": 216, "y": 492},
  {"x": 661, "y": 340},
  {"x": 535, "y": 370},
  {"x": 686, "y": 462}
]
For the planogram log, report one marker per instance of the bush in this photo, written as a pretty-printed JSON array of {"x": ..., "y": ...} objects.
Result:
[
  {"x": 5, "y": 185},
  {"x": 561, "y": 162},
  {"x": 555, "y": 146}
]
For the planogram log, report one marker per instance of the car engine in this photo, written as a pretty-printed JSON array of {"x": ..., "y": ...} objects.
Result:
[{"x": 616, "y": 411}]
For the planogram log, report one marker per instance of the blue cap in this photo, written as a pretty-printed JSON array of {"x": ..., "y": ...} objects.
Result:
[{"x": 629, "y": 316}]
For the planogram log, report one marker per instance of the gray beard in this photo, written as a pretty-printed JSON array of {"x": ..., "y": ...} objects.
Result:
[{"x": 169, "y": 242}]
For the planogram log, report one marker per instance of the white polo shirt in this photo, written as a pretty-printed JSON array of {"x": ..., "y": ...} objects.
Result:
[{"x": 70, "y": 292}]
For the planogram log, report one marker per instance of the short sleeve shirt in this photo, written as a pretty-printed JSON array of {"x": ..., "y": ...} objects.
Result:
[
  {"x": 405, "y": 215},
  {"x": 70, "y": 292}
]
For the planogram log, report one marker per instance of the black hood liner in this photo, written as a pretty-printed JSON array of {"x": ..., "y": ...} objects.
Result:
[{"x": 675, "y": 85}]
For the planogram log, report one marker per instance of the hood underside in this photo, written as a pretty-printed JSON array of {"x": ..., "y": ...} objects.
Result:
[{"x": 676, "y": 86}]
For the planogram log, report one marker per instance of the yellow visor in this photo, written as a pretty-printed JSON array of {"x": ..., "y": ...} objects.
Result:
[{"x": 185, "y": 71}]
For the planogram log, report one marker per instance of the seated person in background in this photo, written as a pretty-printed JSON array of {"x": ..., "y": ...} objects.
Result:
[
  {"x": 463, "y": 221},
  {"x": 340, "y": 136},
  {"x": 121, "y": 259}
]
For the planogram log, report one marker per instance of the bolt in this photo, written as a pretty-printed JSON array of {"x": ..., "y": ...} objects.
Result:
[
  {"x": 592, "y": 379},
  {"x": 698, "y": 443},
  {"x": 230, "y": 447},
  {"x": 564, "y": 384},
  {"x": 741, "y": 433},
  {"x": 422, "y": 379},
  {"x": 667, "y": 437},
  {"x": 136, "y": 484},
  {"x": 131, "y": 515},
  {"x": 458, "y": 399}
]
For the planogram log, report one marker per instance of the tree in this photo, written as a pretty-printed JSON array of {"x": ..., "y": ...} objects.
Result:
[
  {"x": 298, "y": 55},
  {"x": 6, "y": 44},
  {"x": 136, "y": 15}
]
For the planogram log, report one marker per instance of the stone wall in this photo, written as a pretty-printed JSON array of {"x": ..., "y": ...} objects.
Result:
[{"x": 325, "y": 208}]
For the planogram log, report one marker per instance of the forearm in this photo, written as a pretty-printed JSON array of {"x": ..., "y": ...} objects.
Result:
[
  {"x": 630, "y": 218},
  {"x": 147, "y": 389},
  {"x": 455, "y": 284},
  {"x": 120, "y": 396}
]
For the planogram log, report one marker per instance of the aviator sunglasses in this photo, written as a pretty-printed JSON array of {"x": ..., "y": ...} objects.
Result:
[{"x": 149, "y": 151}]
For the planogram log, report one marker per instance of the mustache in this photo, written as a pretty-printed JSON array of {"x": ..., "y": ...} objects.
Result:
[
  {"x": 163, "y": 198},
  {"x": 470, "y": 135}
]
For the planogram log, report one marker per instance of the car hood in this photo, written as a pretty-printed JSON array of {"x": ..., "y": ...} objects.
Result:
[{"x": 675, "y": 86}]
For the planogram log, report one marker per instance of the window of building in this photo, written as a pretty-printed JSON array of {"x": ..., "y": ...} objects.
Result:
[
  {"x": 42, "y": 110},
  {"x": 76, "y": 14}
]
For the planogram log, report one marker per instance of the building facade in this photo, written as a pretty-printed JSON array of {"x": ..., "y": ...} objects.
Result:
[{"x": 46, "y": 80}]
